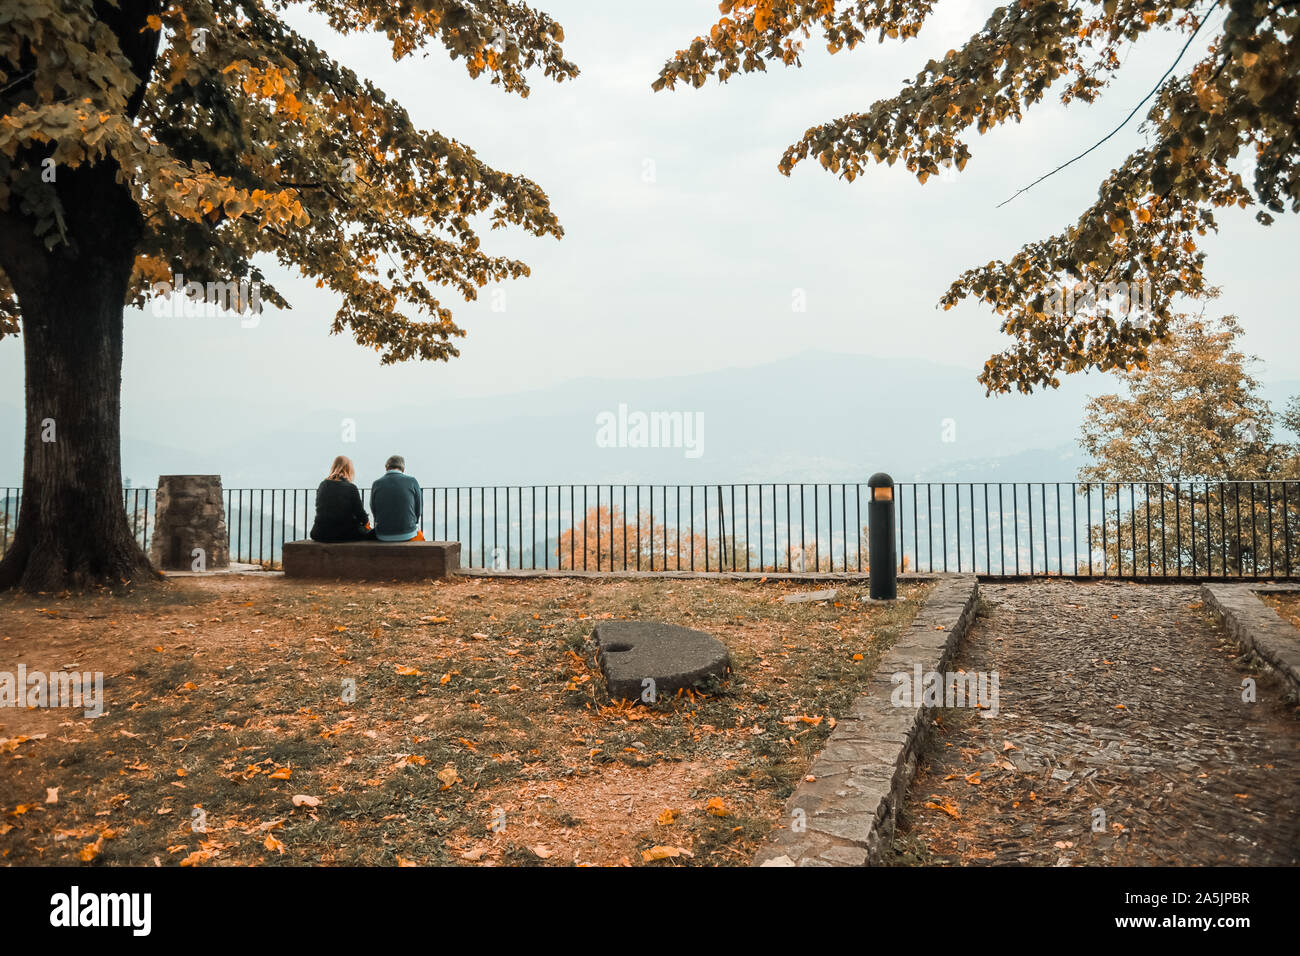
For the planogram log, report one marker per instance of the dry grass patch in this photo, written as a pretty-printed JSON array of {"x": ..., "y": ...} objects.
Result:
[
  {"x": 1287, "y": 604},
  {"x": 480, "y": 731}
]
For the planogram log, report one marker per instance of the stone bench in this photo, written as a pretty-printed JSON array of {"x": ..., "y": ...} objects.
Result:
[{"x": 372, "y": 560}]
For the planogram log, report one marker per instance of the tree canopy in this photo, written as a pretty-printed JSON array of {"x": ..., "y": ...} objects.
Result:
[
  {"x": 1194, "y": 414},
  {"x": 146, "y": 140},
  {"x": 1192, "y": 443},
  {"x": 1235, "y": 106},
  {"x": 236, "y": 136}
]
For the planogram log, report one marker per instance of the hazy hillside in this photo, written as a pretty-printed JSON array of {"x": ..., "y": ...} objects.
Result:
[{"x": 817, "y": 416}]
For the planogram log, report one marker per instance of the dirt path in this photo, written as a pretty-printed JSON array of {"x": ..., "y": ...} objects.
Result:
[{"x": 1121, "y": 737}]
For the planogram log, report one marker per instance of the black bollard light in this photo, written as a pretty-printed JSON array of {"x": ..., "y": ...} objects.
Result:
[{"x": 880, "y": 541}]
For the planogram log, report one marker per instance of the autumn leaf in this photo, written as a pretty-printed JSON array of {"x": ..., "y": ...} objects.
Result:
[
  {"x": 408, "y": 671},
  {"x": 945, "y": 806},
  {"x": 271, "y": 843},
  {"x": 448, "y": 777},
  {"x": 667, "y": 817},
  {"x": 664, "y": 853},
  {"x": 283, "y": 773},
  {"x": 716, "y": 807},
  {"x": 10, "y": 744}
]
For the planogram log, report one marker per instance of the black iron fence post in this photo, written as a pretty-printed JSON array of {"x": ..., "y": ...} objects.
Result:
[{"x": 882, "y": 568}]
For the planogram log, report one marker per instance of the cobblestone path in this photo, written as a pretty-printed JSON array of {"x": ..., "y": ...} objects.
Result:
[{"x": 1115, "y": 699}]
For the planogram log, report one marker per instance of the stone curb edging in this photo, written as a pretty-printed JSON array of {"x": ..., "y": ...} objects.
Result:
[
  {"x": 1257, "y": 627},
  {"x": 862, "y": 775}
]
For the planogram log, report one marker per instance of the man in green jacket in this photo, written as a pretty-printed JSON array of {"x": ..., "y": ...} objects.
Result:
[{"x": 396, "y": 502}]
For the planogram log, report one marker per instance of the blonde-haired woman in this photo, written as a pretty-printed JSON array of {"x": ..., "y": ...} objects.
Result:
[{"x": 339, "y": 513}]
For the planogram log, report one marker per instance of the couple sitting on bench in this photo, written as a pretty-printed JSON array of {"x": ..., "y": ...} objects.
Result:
[{"x": 395, "y": 498}]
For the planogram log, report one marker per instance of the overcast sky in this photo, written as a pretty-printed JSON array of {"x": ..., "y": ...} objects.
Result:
[{"x": 696, "y": 269}]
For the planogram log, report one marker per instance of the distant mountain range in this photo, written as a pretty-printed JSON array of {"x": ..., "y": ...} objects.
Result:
[{"x": 816, "y": 416}]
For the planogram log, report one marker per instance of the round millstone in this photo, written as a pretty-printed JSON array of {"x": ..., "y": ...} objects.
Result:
[{"x": 630, "y": 652}]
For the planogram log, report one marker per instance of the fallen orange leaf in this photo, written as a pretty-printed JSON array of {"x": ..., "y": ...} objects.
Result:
[
  {"x": 663, "y": 853},
  {"x": 946, "y": 806},
  {"x": 449, "y": 777}
]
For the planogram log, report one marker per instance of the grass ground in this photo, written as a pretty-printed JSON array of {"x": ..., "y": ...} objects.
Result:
[{"x": 262, "y": 721}]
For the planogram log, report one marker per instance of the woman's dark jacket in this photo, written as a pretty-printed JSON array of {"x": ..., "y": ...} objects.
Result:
[{"x": 339, "y": 514}]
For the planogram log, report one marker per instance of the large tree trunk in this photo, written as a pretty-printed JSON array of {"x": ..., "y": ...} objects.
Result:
[{"x": 72, "y": 527}]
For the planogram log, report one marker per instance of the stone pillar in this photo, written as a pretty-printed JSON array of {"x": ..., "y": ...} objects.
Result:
[{"x": 189, "y": 513}]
